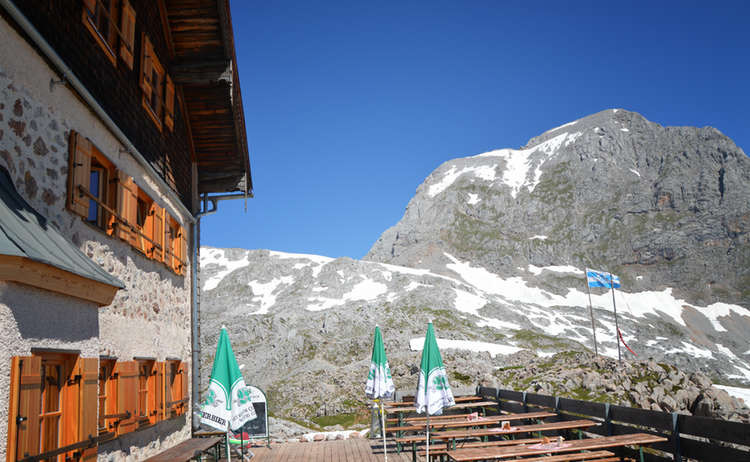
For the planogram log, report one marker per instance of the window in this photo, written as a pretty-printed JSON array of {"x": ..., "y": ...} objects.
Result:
[
  {"x": 144, "y": 222},
  {"x": 52, "y": 405},
  {"x": 176, "y": 246},
  {"x": 90, "y": 190},
  {"x": 176, "y": 388},
  {"x": 152, "y": 81},
  {"x": 156, "y": 393},
  {"x": 157, "y": 87},
  {"x": 146, "y": 388},
  {"x": 127, "y": 382},
  {"x": 109, "y": 199},
  {"x": 107, "y": 395},
  {"x": 101, "y": 19}
]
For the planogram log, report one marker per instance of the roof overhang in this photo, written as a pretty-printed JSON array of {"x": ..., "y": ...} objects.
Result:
[
  {"x": 43, "y": 276},
  {"x": 204, "y": 66},
  {"x": 35, "y": 253}
]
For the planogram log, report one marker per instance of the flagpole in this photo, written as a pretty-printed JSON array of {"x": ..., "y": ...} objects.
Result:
[
  {"x": 591, "y": 311},
  {"x": 617, "y": 327}
]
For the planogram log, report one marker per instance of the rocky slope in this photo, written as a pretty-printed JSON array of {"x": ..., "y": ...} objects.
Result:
[
  {"x": 660, "y": 206},
  {"x": 493, "y": 249}
]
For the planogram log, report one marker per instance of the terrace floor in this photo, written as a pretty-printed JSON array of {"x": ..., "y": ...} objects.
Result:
[{"x": 349, "y": 450}]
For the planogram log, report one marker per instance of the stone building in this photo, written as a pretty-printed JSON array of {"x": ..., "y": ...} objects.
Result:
[{"x": 121, "y": 123}]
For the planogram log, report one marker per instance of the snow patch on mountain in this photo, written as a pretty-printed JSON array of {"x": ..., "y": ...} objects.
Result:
[
  {"x": 216, "y": 257},
  {"x": 520, "y": 162},
  {"x": 416, "y": 344}
]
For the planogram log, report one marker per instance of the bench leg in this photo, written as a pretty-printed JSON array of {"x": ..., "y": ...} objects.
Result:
[{"x": 640, "y": 452}]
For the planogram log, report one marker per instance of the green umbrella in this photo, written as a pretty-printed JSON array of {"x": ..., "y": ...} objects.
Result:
[
  {"x": 433, "y": 392},
  {"x": 228, "y": 404},
  {"x": 379, "y": 380}
]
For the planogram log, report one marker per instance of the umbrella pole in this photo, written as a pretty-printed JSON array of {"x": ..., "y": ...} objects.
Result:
[
  {"x": 229, "y": 452},
  {"x": 382, "y": 417},
  {"x": 428, "y": 435}
]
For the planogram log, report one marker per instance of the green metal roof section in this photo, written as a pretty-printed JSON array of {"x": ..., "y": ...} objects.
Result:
[{"x": 26, "y": 233}]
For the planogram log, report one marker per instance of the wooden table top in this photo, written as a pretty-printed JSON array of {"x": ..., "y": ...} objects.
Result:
[
  {"x": 468, "y": 405},
  {"x": 186, "y": 450},
  {"x": 463, "y": 422},
  {"x": 475, "y": 454},
  {"x": 458, "y": 399},
  {"x": 455, "y": 434}
]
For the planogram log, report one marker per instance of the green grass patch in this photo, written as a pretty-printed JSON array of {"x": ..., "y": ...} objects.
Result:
[{"x": 345, "y": 420}]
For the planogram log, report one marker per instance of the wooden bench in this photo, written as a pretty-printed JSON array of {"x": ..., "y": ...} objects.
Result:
[
  {"x": 595, "y": 456},
  {"x": 571, "y": 446},
  {"x": 435, "y": 420},
  {"x": 187, "y": 450},
  {"x": 443, "y": 450}
]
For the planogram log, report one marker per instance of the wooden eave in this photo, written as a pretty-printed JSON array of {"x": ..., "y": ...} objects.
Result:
[
  {"x": 32, "y": 273},
  {"x": 205, "y": 67}
]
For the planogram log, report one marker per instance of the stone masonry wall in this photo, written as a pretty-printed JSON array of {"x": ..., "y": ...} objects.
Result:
[{"x": 151, "y": 316}]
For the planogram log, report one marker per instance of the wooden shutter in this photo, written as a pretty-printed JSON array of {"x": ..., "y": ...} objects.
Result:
[
  {"x": 185, "y": 380},
  {"x": 83, "y": 405},
  {"x": 25, "y": 400},
  {"x": 146, "y": 67},
  {"x": 156, "y": 394},
  {"x": 158, "y": 232},
  {"x": 127, "y": 31},
  {"x": 127, "y": 207},
  {"x": 127, "y": 394},
  {"x": 79, "y": 172},
  {"x": 88, "y": 368},
  {"x": 169, "y": 104},
  {"x": 183, "y": 251}
]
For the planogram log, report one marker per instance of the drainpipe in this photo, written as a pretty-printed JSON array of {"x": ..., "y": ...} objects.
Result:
[
  {"x": 69, "y": 77},
  {"x": 195, "y": 312}
]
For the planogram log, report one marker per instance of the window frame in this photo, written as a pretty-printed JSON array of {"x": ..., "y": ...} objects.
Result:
[
  {"x": 148, "y": 228},
  {"x": 92, "y": 19},
  {"x": 150, "y": 66}
]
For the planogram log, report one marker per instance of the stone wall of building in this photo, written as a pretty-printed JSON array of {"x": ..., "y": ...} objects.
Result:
[{"x": 151, "y": 316}]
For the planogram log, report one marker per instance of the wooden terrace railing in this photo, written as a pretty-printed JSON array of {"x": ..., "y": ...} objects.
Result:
[{"x": 692, "y": 437}]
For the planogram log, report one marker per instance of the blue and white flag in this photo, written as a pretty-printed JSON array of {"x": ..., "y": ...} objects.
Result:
[{"x": 602, "y": 279}]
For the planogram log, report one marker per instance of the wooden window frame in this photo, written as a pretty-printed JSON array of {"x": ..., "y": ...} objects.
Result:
[
  {"x": 116, "y": 202},
  {"x": 176, "y": 380},
  {"x": 84, "y": 158},
  {"x": 145, "y": 216},
  {"x": 107, "y": 43},
  {"x": 107, "y": 397},
  {"x": 145, "y": 390},
  {"x": 153, "y": 92},
  {"x": 75, "y": 413}
]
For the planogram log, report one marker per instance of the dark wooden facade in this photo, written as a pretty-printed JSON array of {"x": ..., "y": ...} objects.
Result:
[{"x": 193, "y": 41}]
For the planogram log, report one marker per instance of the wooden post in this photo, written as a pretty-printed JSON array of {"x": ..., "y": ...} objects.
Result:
[{"x": 676, "y": 436}]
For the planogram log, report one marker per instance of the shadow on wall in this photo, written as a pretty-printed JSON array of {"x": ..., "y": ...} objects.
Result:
[
  {"x": 145, "y": 437},
  {"x": 40, "y": 314}
]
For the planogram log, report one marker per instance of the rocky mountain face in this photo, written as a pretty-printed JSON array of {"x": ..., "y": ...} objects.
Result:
[
  {"x": 611, "y": 190},
  {"x": 493, "y": 249}
]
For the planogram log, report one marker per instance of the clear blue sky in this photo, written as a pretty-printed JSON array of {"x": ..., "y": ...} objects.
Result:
[{"x": 349, "y": 105}]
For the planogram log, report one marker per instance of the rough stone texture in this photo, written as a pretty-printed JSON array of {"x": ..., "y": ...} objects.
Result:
[
  {"x": 645, "y": 384},
  {"x": 129, "y": 326}
]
